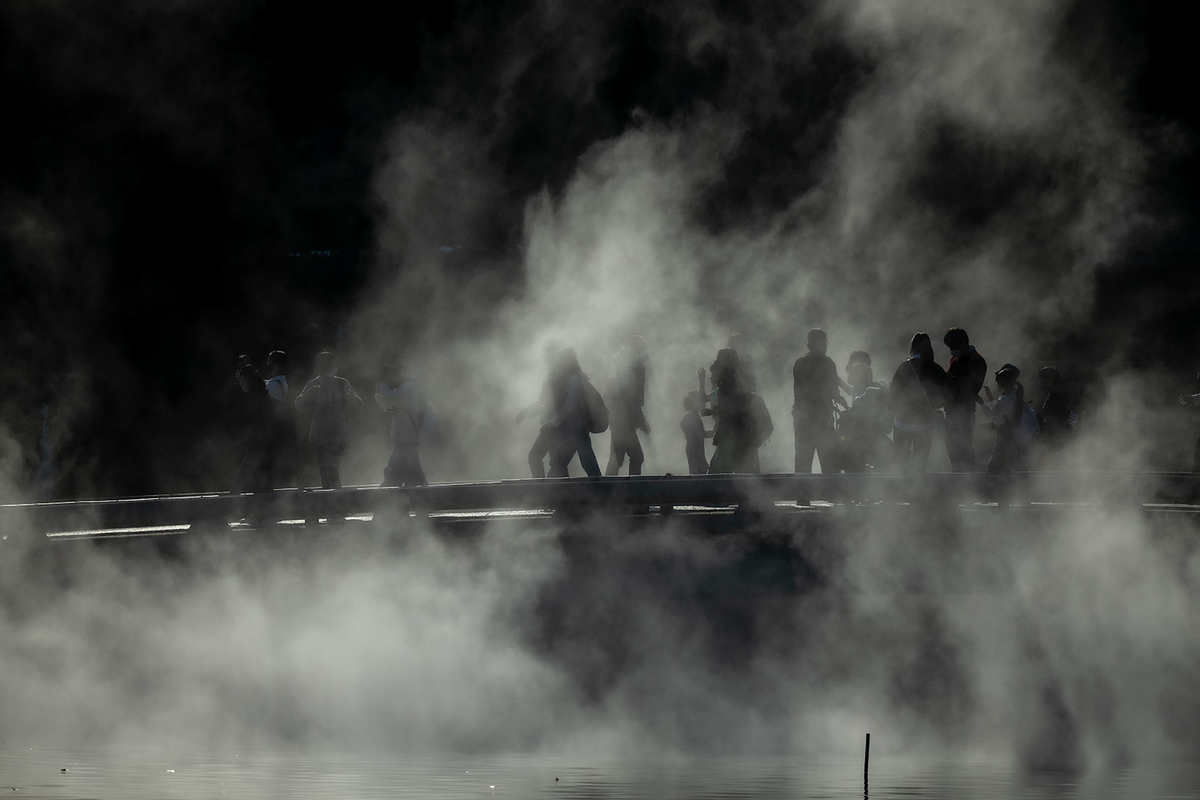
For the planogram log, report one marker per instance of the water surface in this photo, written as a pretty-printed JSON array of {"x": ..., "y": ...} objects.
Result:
[{"x": 97, "y": 775}]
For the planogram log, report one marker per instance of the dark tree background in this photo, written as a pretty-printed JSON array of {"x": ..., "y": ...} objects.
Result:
[{"x": 188, "y": 181}]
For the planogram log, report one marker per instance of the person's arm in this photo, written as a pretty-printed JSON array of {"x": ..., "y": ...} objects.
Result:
[
  {"x": 352, "y": 395},
  {"x": 308, "y": 396},
  {"x": 838, "y": 383},
  {"x": 385, "y": 397}
]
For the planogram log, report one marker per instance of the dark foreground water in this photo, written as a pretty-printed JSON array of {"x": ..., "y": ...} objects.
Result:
[{"x": 43, "y": 773}]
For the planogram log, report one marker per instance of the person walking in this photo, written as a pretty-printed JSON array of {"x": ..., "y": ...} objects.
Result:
[
  {"x": 329, "y": 398},
  {"x": 543, "y": 409},
  {"x": 398, "y": 394},
  {"x": 627, "y": 415},
  {"x": 570, "y": 426}
]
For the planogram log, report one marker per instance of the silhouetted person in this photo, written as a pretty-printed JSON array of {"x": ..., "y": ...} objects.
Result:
[
  {"x": 398, "y": 394},
  {"x": 282, "y": 444},
  {"x": 1193, "y": 401},
  {"x": 863, "y": 428},
  {"x": 1007, "y": 414},
  {"x": 1055, "y": 413},
  {"x": 815, "y": 385},
  {"x": 966, "y": 374},
  {"x": 917, "y": 393},
  {"x": 277, "y": 368},
  {"x": 746, "y": 368},
  {"x": 570, "y": 424},
  {"x": 329, "y": 398},
  {"x": 626, "y": 414},
  {"x": 694, "y": 434},
  {"x": 543, "y": 409},
  {"x": 254, "y": 417},
  {"x": 742, "y": 421}
]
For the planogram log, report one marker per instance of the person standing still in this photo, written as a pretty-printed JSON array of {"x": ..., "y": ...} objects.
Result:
[
  {"x": 329, "y": 398},
  {"x": 815, "y": 385},
  {"x": 965, "y": 376}
]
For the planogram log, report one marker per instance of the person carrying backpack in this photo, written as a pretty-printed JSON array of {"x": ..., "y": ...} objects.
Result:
[
  {"x": 413, "y": 424},
  {"x": 579, "y": 411},
  {"x": 1014, "y": 421}
]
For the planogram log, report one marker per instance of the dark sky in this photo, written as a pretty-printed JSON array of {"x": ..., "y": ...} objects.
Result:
[{"x": 165, "y": 160}]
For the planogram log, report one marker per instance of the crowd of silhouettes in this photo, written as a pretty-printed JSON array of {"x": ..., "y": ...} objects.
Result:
[{"x": 856, "y": 424}]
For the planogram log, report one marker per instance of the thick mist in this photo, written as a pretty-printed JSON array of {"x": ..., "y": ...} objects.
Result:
[
  {"x": 966, "y": 165},
  {"x": 941, "y": 164},
  {"x": 1057, "y": 638}
]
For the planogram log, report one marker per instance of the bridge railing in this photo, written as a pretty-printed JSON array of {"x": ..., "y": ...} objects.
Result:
[{"x": 616, "y": 494}]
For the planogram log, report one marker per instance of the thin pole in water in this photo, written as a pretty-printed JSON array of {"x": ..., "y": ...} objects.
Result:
[{"x": 867, "y": 757}]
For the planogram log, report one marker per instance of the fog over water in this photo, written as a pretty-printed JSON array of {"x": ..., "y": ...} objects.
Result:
[{"x": 950, "y": 164}]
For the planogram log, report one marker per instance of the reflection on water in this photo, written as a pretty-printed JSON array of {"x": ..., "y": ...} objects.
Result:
[{"x": 41, "y": 773}]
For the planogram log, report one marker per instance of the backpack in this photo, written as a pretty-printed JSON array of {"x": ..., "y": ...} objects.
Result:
[
  {"x": 1026, "y": 427},
  {"x": 597, "y": 411},
  {"x": 429, "y": 429},
  {"x": 761, "y": 426}
]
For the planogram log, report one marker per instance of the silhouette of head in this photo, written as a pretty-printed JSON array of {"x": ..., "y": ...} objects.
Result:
[
  {"x": 858, "y": 368},
  {"x": 818, "y": 342},
  {"x": 693, "y": 402},
  {"x": 921, "y": 347},
  {"x": 277, "y": 363},
  {"x": 326, "y": 363},
  {"x": 735, "y": 342},
  {"x": 566, "y": 362},
  {"x": 250, "y": 380},
  {"x": 1048, "y": 378},
  {"x": 724, "y": 370},
  {"x": 957, "y": 340},
  {"x": 636, "y": 345},
  {"x": 1007, "y": 375}
]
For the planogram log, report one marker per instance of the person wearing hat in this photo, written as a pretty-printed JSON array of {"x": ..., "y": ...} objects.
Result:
[{"x": 1006, "y": 414}]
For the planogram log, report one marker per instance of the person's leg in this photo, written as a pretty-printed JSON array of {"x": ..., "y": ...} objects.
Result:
[
  {"x": 616, "y": 451},
  {"x": 411, "y": 471},
  {"x": 921, "y": 442},
  {"x": 542, "y": 447},
  {"x": 960, "y": 442},
  {"x": 336, "y": 464},
  {"x": 806, "y": 444},
  {"x": 587, "y": 456},
  {"x": 636, "y": 456},
  {"x": 826, "y": 446},
  {"x": 901, "y": 450},
  {"x": 562, "y": 450},
  {"x": 391, "y": 472}
]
